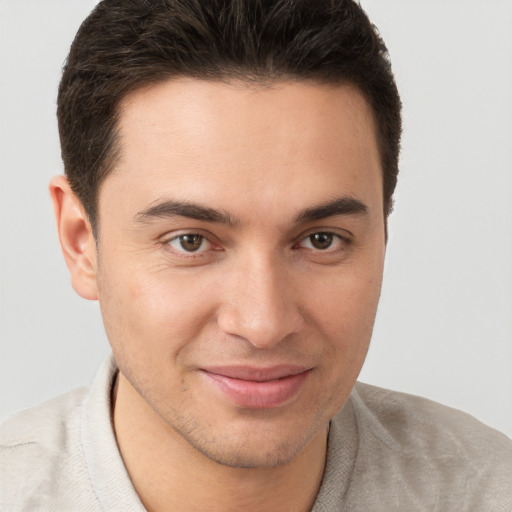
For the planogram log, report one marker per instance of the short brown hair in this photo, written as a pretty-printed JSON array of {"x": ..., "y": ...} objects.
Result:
[{"x": 126, "y": 44}]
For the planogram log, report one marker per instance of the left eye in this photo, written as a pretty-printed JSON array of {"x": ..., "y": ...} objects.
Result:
[
  {"x": 321, "y": 241},
  {"x": 190, "y": 242}
]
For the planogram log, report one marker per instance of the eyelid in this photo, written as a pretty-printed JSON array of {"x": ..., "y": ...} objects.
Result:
[
  {"x": 201, "y": 249},
  {"x": 344, "y": 234},
  {"x": 337, "y": 243},
  {"x": 173, "y": 235}
]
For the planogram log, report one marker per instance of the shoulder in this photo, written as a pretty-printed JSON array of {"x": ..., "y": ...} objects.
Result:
[
  {"x": 40, "y": 447},
  {"x": 45, "y": 424},
  {"x": 428, "y": 449},
  {"x": 413, "y": 421}
]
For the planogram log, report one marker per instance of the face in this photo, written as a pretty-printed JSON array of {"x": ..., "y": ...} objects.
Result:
[{"x": 240, "y": 254}]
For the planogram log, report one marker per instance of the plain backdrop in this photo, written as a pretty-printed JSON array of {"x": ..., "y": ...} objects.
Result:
[{"x": 444, "y": 326}]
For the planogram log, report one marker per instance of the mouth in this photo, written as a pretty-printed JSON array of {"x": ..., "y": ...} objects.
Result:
[{"x": 257, "y": 388}]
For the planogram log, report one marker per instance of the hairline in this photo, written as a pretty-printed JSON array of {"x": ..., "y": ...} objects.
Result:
[{"x": 235, "y": 79}]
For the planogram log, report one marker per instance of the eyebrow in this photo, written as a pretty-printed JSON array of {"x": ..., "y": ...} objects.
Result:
[
  {"x": 170, "y": 208},
  {"x": 340, "y": 206}
]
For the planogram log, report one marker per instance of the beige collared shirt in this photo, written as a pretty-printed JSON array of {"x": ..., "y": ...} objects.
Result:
[{"x": 387, "y": 452}]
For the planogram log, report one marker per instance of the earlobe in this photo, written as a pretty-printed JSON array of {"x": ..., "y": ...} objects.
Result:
[{"x": 76, "y": 238}]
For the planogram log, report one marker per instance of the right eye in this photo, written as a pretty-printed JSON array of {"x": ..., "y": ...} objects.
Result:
[{"x": 190, "y": 243}]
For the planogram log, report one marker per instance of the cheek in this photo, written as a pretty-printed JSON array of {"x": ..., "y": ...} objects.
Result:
[
  {"x": 346, "y": 321},
  {"x": 345, "y": 308},
  {"x": 344, "y": 313},
  {"x": 152, "y": 309}
]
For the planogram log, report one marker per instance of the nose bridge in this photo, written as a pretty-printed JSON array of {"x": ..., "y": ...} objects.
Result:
[{"x": 261, "y": 305}]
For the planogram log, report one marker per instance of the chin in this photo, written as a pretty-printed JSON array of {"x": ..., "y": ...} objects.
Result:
[
  {"x": 251, "y": 457},
  {"x": 255, "y": 446}
]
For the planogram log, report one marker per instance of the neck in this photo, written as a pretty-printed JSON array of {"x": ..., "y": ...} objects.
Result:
[{"x": 169, "y": 474}]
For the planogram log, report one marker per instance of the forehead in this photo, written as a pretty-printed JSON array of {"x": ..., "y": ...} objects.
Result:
[
  {"x": 193, "y": 110},
  {"x": 233, "y": 142}
]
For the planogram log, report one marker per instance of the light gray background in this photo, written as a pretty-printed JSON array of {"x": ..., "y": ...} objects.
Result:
[{"x": 444, "y": 328}]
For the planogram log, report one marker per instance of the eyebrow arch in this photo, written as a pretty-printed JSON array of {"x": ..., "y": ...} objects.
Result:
[
  {"x": 340, "y": 206},
  {"x": 169, "y": 209}
]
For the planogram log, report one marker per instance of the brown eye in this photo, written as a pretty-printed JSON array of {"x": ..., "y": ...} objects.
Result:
[
  {"x": 190, "y": 242},
  {"x": 321, "y": 240}
]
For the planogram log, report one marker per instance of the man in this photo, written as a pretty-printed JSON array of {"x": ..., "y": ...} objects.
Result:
[{"x": 229, "y": 171}]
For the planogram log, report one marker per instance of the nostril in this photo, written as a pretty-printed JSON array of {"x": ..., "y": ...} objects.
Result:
[
  {"x": 262, "y": 327},
  {"x": 258, "y": 302}
]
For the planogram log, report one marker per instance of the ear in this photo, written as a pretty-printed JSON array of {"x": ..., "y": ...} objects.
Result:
[{"x": 76, "y": 238}]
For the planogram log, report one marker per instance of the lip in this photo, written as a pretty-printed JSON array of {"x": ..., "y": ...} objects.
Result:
[{"x": 258, "y": 388}]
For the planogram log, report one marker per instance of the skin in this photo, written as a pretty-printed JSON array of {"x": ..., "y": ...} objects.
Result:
[{"x": 256, "y": 293}]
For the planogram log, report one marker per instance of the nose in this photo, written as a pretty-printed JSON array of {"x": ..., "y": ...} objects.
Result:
[{"x": 260, "y": 304}]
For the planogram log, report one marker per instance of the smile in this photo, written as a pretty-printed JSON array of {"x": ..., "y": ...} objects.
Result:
[{"x": 257, "y": 388}]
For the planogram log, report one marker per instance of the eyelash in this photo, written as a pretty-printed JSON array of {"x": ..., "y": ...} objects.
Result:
[
  {"x": 333, "y": 236},
  {"x": 190, "y": 254},
  {"x": 338, "y": 240}
]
